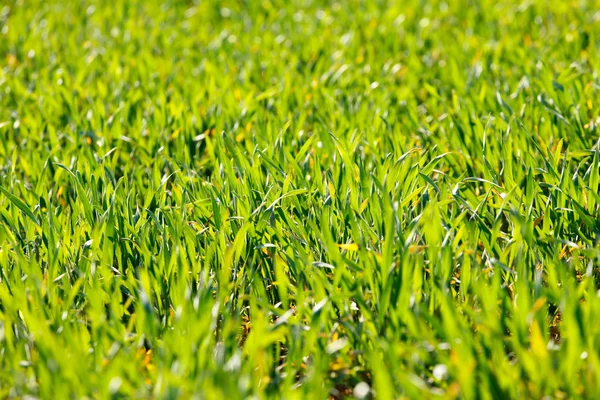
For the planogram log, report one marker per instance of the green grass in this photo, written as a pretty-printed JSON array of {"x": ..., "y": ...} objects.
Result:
[{"x": 238, "y": 198}]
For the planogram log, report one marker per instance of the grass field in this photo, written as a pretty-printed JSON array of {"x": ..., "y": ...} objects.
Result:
[{"x": 299, "y": 199}]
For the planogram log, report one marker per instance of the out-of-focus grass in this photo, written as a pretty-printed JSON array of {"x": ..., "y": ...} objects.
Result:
[{"x": 299, "y": 199}]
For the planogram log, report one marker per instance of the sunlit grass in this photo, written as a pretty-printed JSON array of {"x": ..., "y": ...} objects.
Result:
[{"x": 299, "y": 199}]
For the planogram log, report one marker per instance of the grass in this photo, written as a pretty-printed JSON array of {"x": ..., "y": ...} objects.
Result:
[{"x": 231, "y": 199}]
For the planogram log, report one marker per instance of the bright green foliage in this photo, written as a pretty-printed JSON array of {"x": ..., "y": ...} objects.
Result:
[{"x": 298, "y": 199}]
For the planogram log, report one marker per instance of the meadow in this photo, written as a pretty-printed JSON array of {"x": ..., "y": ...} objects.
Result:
[{"x": 299, "y": 199}]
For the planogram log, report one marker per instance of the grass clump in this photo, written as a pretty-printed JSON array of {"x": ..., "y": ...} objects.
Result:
[{"x": 299, "y": 199}]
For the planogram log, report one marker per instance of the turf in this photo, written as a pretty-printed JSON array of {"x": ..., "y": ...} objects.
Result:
[{"x": 299, "y": 199}]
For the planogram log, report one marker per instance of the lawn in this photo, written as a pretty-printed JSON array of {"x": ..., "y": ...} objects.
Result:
[{"x": 299, "y": 199}]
